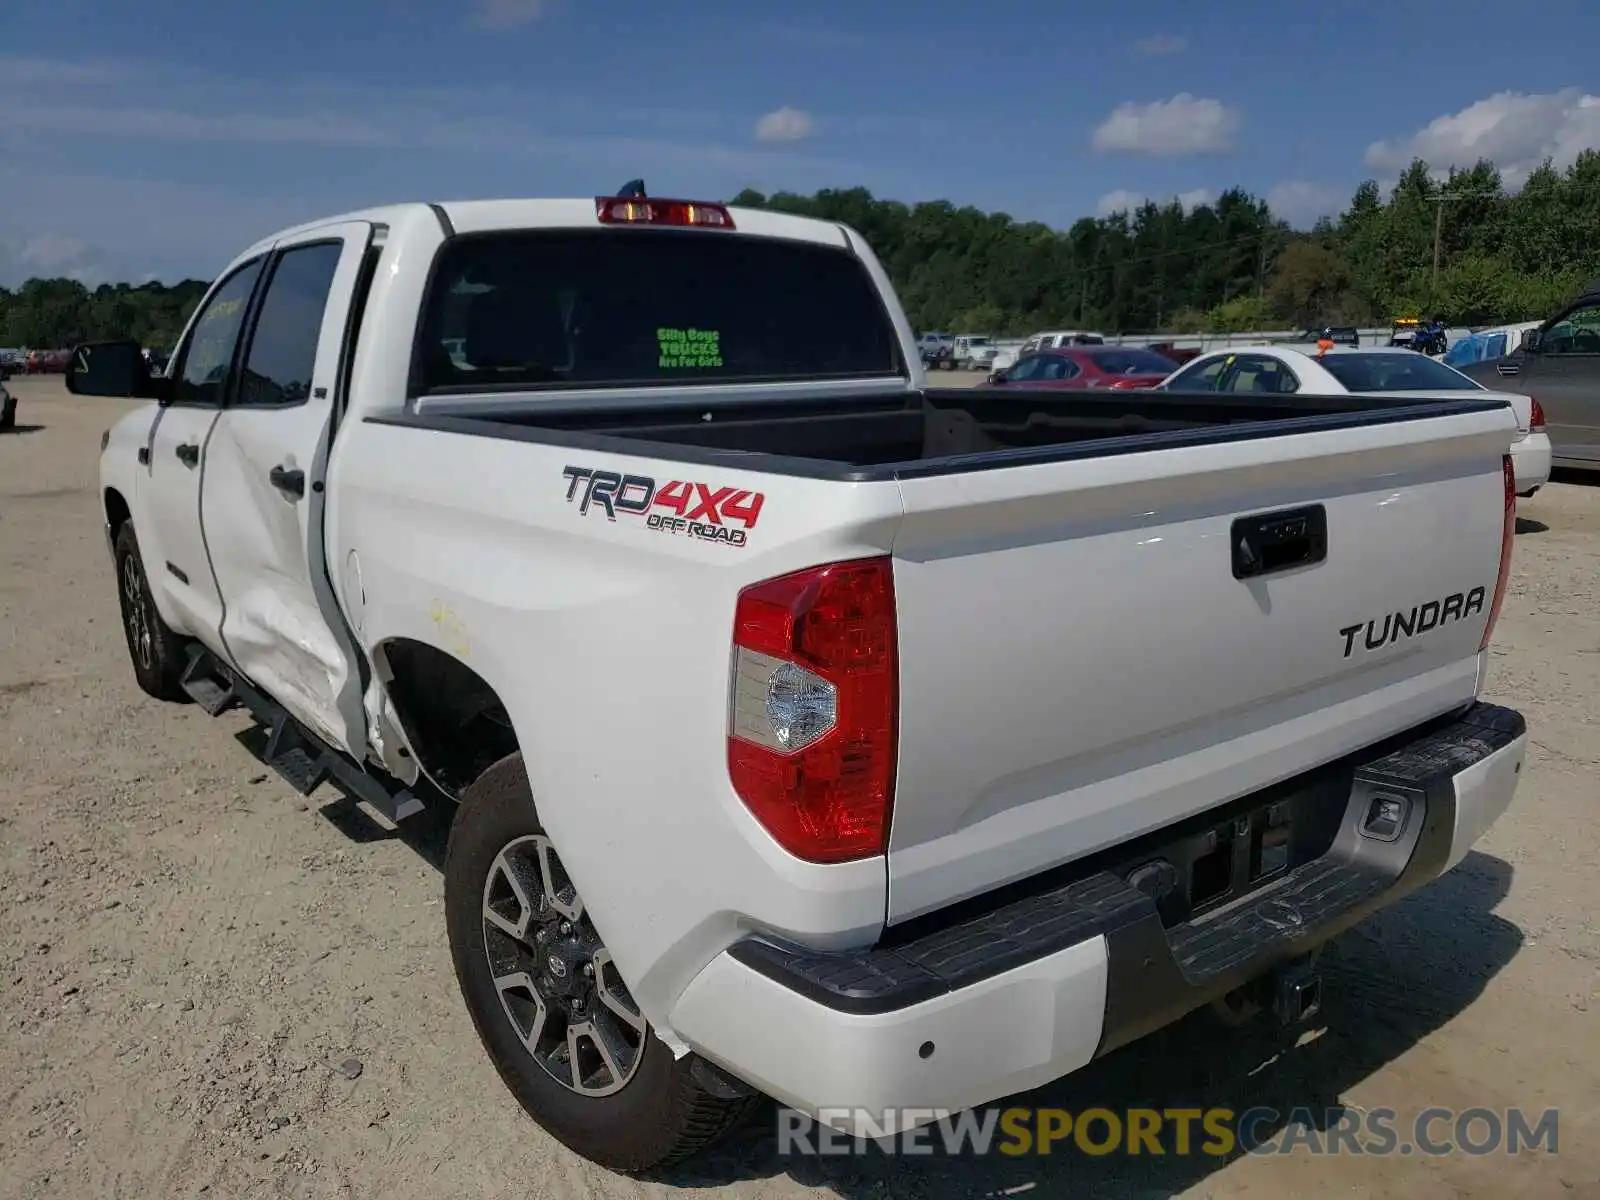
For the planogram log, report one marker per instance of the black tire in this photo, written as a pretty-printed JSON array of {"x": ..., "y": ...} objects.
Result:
[
  {"x": 159, "y": 665},
  {"x": 660, "y": 1115}
]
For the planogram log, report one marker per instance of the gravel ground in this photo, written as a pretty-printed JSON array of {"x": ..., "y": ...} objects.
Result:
[{"x": 213, "y": 986}]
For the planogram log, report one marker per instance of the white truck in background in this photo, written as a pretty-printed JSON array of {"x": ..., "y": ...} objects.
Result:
[
  {"x": 810, "y": 731},
  {"x": 974, "y": 352},
  {"x": 1005, "y": 357}
]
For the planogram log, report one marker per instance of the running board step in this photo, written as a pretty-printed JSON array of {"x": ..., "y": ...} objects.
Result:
[
  {"x": 214, "y": 695},
  {"x": 303, "y": 760},
  {"x": 289, "y": 754}
]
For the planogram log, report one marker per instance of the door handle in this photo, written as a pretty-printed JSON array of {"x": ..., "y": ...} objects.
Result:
[
  {"x": 285, "y": 480},
  {"x": 1279, "y": 541},
  {"x": 189, "y": 453}
]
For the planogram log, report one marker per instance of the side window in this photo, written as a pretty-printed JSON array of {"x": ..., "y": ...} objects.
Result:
[
  {"x": 209, "y": 351},
  {"x": 283, "y": 344},
  {"x": 1576, "y": 333},
  {"x": 1201, "y": 376},
  {"x": 1272, "y": 375},
  {"x": 1025, "y": 369},
  {"x": 1258, "y": 373}
]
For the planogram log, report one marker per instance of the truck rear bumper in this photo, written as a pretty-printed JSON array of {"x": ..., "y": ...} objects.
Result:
[{"x": 967, "y": 1006}]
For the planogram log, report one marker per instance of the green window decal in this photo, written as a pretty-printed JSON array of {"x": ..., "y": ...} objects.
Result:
[{"x": 689, "y": 348}]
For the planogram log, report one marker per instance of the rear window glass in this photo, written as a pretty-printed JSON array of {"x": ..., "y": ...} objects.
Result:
[
  {"x": 593, "y": 308},
  {"x": 1133, "y": 362},
  {"x": 1407, "y": 372}
]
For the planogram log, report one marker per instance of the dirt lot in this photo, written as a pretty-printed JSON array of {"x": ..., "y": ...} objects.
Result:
[{"x": 211, "y": 986}]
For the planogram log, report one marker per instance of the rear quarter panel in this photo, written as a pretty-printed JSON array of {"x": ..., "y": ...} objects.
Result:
[{"x": 610, "y": 645}]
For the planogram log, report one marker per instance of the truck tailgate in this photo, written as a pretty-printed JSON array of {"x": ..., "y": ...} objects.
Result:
[{"x": 1081, "y": 665}]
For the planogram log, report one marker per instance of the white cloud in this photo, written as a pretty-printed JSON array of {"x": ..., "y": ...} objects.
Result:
[
  {"x": 181, "y": 125},
  {"x": 784, "y": 125},
  {"x": 1301, "y": 203},
  {"x": 391, "y": 143},
  {"x": 1183, "y": 125},
  {"x": 507, "y": 14},
  {"x": 52, "y": 256},
  {"x": 1120, "y": 200},
  {"x": 1514, "y": 130},
  {"x": 46, "y": 226},
  {"x": 19, "y": 72},
  {"x": 53, "y": 252},
  {"x": 1124, "y": 200},
  {"x": 309, "y": 113},
  {"x": 1152, "y": 47}
]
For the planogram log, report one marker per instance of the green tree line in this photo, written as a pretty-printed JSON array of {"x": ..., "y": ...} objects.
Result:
[
  {"x": 53, "y": 314},
  {"x": 1233, "y": 265},
  {"x": 1226, "y": 266}
]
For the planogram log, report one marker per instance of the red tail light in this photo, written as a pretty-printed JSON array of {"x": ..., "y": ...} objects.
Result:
[
  {"x": 1508, "y": 537},
  {"x": 1536, "y": 415},
  {"x": 811, "y": 736},
  {"x": 620, "y": 210}
]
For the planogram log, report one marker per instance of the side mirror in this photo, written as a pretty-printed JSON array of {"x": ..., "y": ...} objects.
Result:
[
  {"x": 999, "y": 376},
  {"x": 1530, "y": 341},
  {"x": 109, "y": 369}
]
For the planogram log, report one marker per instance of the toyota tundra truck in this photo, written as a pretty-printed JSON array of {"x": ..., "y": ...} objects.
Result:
[{"x": 807, "y": 731}]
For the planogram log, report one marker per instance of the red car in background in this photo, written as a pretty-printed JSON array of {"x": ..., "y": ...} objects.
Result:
[
  {"x": 47, "y": 362},
  {"x": 1087, "y": 367}
]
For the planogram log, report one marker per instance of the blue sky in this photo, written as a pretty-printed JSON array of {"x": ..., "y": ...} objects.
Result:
[{"x": 155, "y": 139}]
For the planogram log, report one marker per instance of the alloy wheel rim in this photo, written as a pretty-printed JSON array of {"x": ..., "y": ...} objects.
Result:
[
  {"x": 554, "y": 977},
  {"x": 137, "y": 619}
]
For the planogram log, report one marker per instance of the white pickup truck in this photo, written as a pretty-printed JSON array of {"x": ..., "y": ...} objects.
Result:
[{"x": 813, "y": 733}]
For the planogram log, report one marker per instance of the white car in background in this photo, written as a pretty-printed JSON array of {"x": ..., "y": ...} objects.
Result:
[{"x": 1367, "y": 371}]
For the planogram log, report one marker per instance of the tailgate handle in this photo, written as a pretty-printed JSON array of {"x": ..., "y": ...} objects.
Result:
[{"x": 1279, "y": 541}]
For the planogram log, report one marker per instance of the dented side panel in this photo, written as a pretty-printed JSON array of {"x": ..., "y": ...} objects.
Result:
[{"x": 262, "y": 504}]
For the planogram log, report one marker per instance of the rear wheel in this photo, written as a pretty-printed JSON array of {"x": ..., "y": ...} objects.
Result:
[
  {"x": 558, "y": 1022},
  {"x": 157, "y": 652}
]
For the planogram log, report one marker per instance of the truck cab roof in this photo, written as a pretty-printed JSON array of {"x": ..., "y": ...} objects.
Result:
[{"x": 484, "y": 216}]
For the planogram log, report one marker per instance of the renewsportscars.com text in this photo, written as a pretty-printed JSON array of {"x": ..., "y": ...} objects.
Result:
[{"x": 1216, "y": 1132}]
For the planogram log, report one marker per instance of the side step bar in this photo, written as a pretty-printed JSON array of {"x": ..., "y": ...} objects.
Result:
[{"x": 304, "y": 760}]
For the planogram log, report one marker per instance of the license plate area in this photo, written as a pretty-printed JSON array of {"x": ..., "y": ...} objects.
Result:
[{"x": 1232, "y": 852}]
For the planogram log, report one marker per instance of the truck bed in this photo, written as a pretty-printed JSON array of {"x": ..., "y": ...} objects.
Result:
[
  {"x": 1115, "y": 611},
  {"x": 928, "y": 432}
]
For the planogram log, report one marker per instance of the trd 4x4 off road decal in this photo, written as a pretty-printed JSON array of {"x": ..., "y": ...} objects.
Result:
[{"x": 698, "y": 510}]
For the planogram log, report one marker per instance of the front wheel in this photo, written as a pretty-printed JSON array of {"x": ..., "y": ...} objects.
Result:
[
  {"x": 557, "y": 1020},
  {"x": 157, "y": 652}
]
